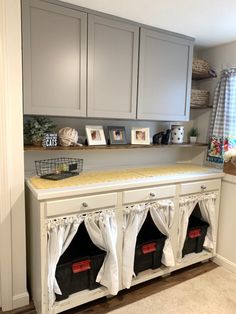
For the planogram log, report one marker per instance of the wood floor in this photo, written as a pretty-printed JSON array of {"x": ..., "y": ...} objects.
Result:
[{"x": 136, "y": 293}]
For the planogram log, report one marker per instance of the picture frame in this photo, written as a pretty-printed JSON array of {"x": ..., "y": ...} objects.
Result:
[
  {"x": 117, "y": 135},
  {"x": 95, "y": 135},
  {"x": 140, "y": 136}
]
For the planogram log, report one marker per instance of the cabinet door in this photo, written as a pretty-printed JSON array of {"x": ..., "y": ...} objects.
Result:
[
  {"x": 164, "y": 76},
  {"x": 54, "y": 59},
  {"x": 112, "y": 68}
]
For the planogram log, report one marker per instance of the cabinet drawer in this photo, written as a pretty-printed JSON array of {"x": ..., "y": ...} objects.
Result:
[
  {"x": 149, "y": 194},
  {"x": 200, "y": 186},
  {"x": 81, "y": 204}
]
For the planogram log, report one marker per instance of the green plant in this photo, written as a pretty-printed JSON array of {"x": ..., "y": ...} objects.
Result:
[
  {"x": 35, "y": 128},
  {"x": 193, "y": 132}
]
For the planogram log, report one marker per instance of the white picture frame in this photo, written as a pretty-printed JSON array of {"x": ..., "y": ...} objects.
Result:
[
  {"x": 95, "y": 135},
  {"x": 140, "y": 136}
]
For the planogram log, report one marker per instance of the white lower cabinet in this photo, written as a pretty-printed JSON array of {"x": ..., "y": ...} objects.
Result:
[{"x": 163, "y": 203}]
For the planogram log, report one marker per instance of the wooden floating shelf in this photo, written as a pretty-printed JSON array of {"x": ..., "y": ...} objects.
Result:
[
  {"x": 32, "y": 148},
  {"x": 201, "y": 76},
  {"x": 200, "y": 107}
]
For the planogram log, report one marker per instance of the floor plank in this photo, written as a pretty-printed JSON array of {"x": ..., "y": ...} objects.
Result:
[{"x": 125, "y": 297}]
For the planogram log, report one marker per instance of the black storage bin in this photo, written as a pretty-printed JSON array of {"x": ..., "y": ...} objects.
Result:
[
  {"x": 149, "y": 247},
  {"x": 78, "y": 267},
  {"x": 196, "y": 233}
]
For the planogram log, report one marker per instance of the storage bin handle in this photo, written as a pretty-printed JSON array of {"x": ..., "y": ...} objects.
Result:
[
  {"x": 81, "y": 266},
  {"x": 203, "y": 187},
  {"x": 194, "y": 233},
  {"x": 84, "y": 204},
  {"x": 149, "y": 248},
  {"x": 152, "y": 194}
]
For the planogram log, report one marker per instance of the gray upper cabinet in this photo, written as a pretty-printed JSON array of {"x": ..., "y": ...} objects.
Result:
[
  {"x": 54, "y": 59},
  {"x": 112, "y": 68},
  {"x": 165, "y": 67}
]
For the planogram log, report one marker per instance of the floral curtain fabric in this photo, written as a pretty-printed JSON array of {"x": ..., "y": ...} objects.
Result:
[{"x": 223, "y": 122}]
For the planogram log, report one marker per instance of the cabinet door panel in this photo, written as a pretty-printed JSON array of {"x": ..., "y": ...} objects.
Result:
[
  {"x": 112, "y": 68},
  {"x": 54, "y": 59},
  {"x": 164, "y": 76}
]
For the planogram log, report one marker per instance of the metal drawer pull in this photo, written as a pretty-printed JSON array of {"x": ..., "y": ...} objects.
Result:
[
  {"x": 152, "y": 194},
  {"x": 203, "y": 187},
  {"x": 84, "y": 204}
]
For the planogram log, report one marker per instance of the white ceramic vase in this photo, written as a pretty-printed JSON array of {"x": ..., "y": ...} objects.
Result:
[{"x": 177, "y": 134}]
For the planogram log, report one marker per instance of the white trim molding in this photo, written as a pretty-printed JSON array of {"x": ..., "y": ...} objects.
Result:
[
  {"x": 12, "y": 210},
  {"x": 221, "y": 261}
]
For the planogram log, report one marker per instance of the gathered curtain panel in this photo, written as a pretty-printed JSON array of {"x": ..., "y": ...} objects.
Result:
[
  {"x": 162, "y": 213},
  {"x": 102, "y": 229},
  {"x": 223, "y": 120},
  {"x": 60, "y": 232},
  {"x": 134, "y": 217},
  {"x": 207, "y": 207}
]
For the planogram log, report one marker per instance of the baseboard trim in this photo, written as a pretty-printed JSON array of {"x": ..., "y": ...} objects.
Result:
[
  {"x": 20, "y": 300},
  {"x": 220, "y": 260}
]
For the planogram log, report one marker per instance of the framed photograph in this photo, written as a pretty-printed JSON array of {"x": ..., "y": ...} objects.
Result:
[
  {"x": 95, "y": 135},
  {"x": 117, "y": 135},
  {"x": 140, "y": 136}
]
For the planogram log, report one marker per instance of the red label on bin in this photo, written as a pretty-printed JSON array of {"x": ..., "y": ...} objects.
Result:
[
  {"x": 194, "y": 233},
  {"x": 81, "y": 266},
  {"x": 149, "y": 248}
]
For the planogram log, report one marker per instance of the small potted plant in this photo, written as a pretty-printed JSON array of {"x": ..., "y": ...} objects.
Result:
[
  {"x": 35, "y": 129},
  {"x": 193, "y": 134}
]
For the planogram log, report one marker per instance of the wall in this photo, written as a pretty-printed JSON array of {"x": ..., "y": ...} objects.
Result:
[
  {"x": 12, "y": 211},
  {"x": 119, "y": 158},
  {"x": 221, "y": 57},
  {"x": 227, "y": 224}
]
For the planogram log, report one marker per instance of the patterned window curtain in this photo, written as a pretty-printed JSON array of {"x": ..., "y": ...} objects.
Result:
[{"x": 223, "y": 122}]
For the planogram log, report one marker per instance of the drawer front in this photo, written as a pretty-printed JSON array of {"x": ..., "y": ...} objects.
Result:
[
  {"x": 200, "y": 186},
  {"x": 149, "y": 194},
  {"x": 81, "y": 204}
]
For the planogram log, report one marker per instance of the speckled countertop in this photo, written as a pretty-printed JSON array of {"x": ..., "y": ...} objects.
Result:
[{"x": 114, "y": 180}]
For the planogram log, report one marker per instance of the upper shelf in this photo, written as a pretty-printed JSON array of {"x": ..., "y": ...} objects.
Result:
[
  {"x": 29, "y": 148},
  {"x": 200, "y": 107}
]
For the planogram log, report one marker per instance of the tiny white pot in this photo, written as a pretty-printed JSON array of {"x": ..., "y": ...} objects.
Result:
[{"x": 193, "y": 139}]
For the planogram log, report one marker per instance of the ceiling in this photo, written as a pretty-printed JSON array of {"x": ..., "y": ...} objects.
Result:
[{"x": 210, "y": 22}]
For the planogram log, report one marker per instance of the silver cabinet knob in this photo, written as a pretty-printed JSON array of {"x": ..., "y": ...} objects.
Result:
[
  {"x": 84, "y": 204},
  {"x": 203, "y": 187},
  {"x": 152, "y": 194}
]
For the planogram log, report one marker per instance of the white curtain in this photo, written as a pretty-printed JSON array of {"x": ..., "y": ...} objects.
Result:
[
  {"x": 162, "y": 213},
  {"x": 207, "y": 207},
  {"x": 60, "y": 234},
  {"x": 134, "y": 217},
  {"x": 186, "y": 205},
  {"x": 102, "y": 229}
]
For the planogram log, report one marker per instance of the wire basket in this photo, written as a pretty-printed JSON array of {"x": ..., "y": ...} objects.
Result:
[{"x": 58, "y": 168}]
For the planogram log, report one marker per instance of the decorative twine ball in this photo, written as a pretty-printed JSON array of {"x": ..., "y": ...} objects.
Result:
[{"x": 68, "y": 136}]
